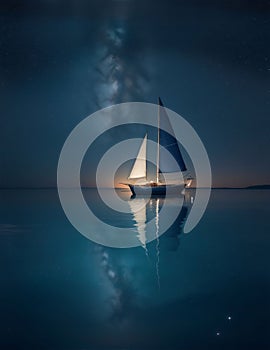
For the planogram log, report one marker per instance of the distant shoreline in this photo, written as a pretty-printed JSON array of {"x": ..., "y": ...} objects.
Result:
[{"x": 254, "y": 187}]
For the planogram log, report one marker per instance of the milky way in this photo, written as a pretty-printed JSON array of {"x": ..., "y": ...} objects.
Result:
[{"x": 119, "y": 78}]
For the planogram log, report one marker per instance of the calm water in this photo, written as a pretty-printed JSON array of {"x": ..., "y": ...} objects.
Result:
[{"x": 208, "y": 289}]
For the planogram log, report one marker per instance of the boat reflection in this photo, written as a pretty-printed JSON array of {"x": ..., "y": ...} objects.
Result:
[
  {"x": 150, "y": 209},
  {"x": 140, "y": 218}
]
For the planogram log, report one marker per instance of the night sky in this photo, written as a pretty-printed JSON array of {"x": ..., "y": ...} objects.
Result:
[{"x": 208, "y": 60}]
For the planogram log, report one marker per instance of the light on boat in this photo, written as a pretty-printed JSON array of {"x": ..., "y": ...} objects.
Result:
[{"x": 189, "y": 182}]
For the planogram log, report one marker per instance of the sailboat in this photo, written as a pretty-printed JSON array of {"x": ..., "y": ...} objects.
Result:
[{"x": 139, "y": 184}]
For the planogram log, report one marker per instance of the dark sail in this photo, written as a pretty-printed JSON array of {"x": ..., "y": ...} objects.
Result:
[{"x": 168, "y": 141}]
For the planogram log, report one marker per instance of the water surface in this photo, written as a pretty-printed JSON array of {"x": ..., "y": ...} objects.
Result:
[{"x": 208, "y": 289}]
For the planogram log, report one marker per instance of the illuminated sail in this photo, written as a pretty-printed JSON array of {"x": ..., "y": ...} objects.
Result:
[{"x": 139, "y": 167}]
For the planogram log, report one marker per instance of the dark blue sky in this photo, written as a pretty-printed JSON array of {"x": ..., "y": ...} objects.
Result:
[{"x": 208, "y": 60}]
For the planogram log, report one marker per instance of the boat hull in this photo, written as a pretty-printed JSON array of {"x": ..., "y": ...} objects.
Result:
[{"x": 160, "y": 190}]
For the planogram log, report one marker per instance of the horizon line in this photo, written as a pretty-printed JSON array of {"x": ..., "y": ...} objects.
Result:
[{"x": 92, "y": 187}]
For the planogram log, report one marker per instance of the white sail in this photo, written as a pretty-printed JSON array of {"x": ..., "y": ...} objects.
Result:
[{"x": 139, "y": 167}]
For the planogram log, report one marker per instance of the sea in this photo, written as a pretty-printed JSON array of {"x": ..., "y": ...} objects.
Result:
[{"x": 206, "y": 289}]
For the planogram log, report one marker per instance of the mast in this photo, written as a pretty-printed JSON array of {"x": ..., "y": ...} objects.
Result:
[{"x": 157, "y": 170}]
